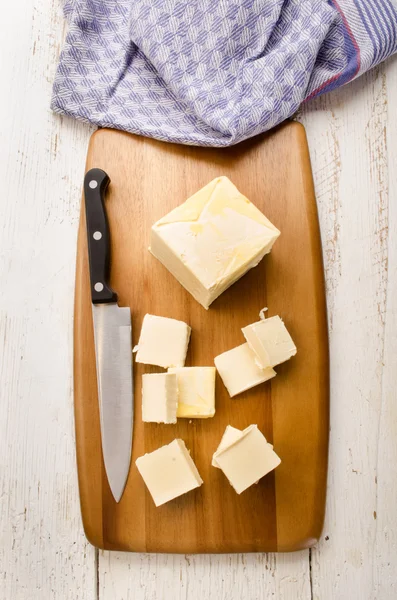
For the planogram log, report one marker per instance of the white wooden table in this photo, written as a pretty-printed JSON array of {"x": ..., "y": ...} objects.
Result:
[{"x": 43, "y": 551}]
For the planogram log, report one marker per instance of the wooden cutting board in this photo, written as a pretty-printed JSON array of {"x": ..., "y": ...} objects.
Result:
[{"x": 285, "y": 511}]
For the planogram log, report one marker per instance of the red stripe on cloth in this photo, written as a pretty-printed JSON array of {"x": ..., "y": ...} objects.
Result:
[{"x": 356, "y": 47}]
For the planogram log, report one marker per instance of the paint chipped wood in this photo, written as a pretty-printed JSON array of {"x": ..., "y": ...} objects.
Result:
[{"x": 43, "y": 554}]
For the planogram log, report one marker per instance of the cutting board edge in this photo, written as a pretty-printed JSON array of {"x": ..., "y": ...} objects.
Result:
[
  {"x": 314, "y": 531},
  {"x": 92, "y": 530}
]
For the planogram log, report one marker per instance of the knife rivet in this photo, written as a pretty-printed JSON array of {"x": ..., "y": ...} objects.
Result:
[
  {"x": 97, "y": 235},
  {"x": 93, "y": 184},
  {"x": 98, "y": 287}
]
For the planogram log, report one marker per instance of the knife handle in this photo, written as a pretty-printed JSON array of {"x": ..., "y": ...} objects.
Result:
[{"x": 96, "y": 182}]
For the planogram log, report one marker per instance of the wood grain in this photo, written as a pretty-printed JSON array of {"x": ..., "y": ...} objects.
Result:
[
  {"x": 357, "y": 198},
  {"x": 43, "y": 551},
  {"x": 255, "y": 576},
  {"x": 285, "y": 510}
]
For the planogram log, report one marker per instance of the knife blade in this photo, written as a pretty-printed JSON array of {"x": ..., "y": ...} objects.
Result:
[{"x": 112, "y": 335}]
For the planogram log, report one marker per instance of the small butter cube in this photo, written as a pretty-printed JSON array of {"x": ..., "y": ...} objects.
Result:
[
  {"x": 247, "y": 459},
  {"x": 159, "y": 397},
  {"x": 239, "y": 371},
  {"x": 212, "y": 240},
  {"x": 196, "y": 391},
  {"x": 270, "y": 341},
  {"x": 163, "y": 342},
  {"x": 169, "y": 472},
  {"x": 231, "y": 435}
]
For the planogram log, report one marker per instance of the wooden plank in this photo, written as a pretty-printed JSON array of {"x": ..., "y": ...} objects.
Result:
[
  {"x": 353, "y": 147},
  {"x": 385, "y": 542},
  {"x": 284, "y": 511},
  {"x": 193, "y": 577},
  {"x": 43, "y": 552}
]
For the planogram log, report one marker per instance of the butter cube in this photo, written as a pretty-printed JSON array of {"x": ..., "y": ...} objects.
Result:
[
  {"x": 159, "y": 398},
  {"x": 169, "y": 472},
  {"x": 270, "y": 341},
  {"x": 196, "y": 391},
  {"x": 231, "y": 435},
  {"x": 163, "y": 342},
  {"x": 239, "y": 371},
  {"x": 212, "y": 240},
  {"x": 246, "y": 459}
]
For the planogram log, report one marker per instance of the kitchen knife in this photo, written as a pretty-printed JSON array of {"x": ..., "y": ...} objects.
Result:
[{"x": 112, "y": 333}]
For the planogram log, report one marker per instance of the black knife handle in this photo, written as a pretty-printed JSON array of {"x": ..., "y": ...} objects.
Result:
[{"x": 96, "y": 182}]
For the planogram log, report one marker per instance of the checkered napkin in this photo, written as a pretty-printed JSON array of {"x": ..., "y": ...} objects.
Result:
[{"x": 212, "y": 72}]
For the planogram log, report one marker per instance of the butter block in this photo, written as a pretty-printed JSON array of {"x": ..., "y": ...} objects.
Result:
[
  {"x": 212, "y": 239},
  {"x": 196, "y": 392},
  {"x": 159, "y": 397},
  {"x": 163, "y": 342},
  {"x": 169, "y": 472},
  {"x": 239, "y": 371},
  {"x": 270, "y": 341},
  {"x": 247, "y": 459}
]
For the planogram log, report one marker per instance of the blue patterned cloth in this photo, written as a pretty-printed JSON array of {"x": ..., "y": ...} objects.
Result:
[{"x": 213, "y": 72}]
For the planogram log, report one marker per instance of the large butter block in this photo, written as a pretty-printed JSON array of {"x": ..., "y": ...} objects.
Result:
[
  {"x": 163, "y": 342},
  {"x": 246, "y": 458},
  {"x": 212, "y": 240},
  {"x": 169, "y": 472},
  {"x": 270, "y": 341},
  {"x": 239, "y": 371},
  {"x": 159, "y": 398},
  {"x": 196, "y": 392}
]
